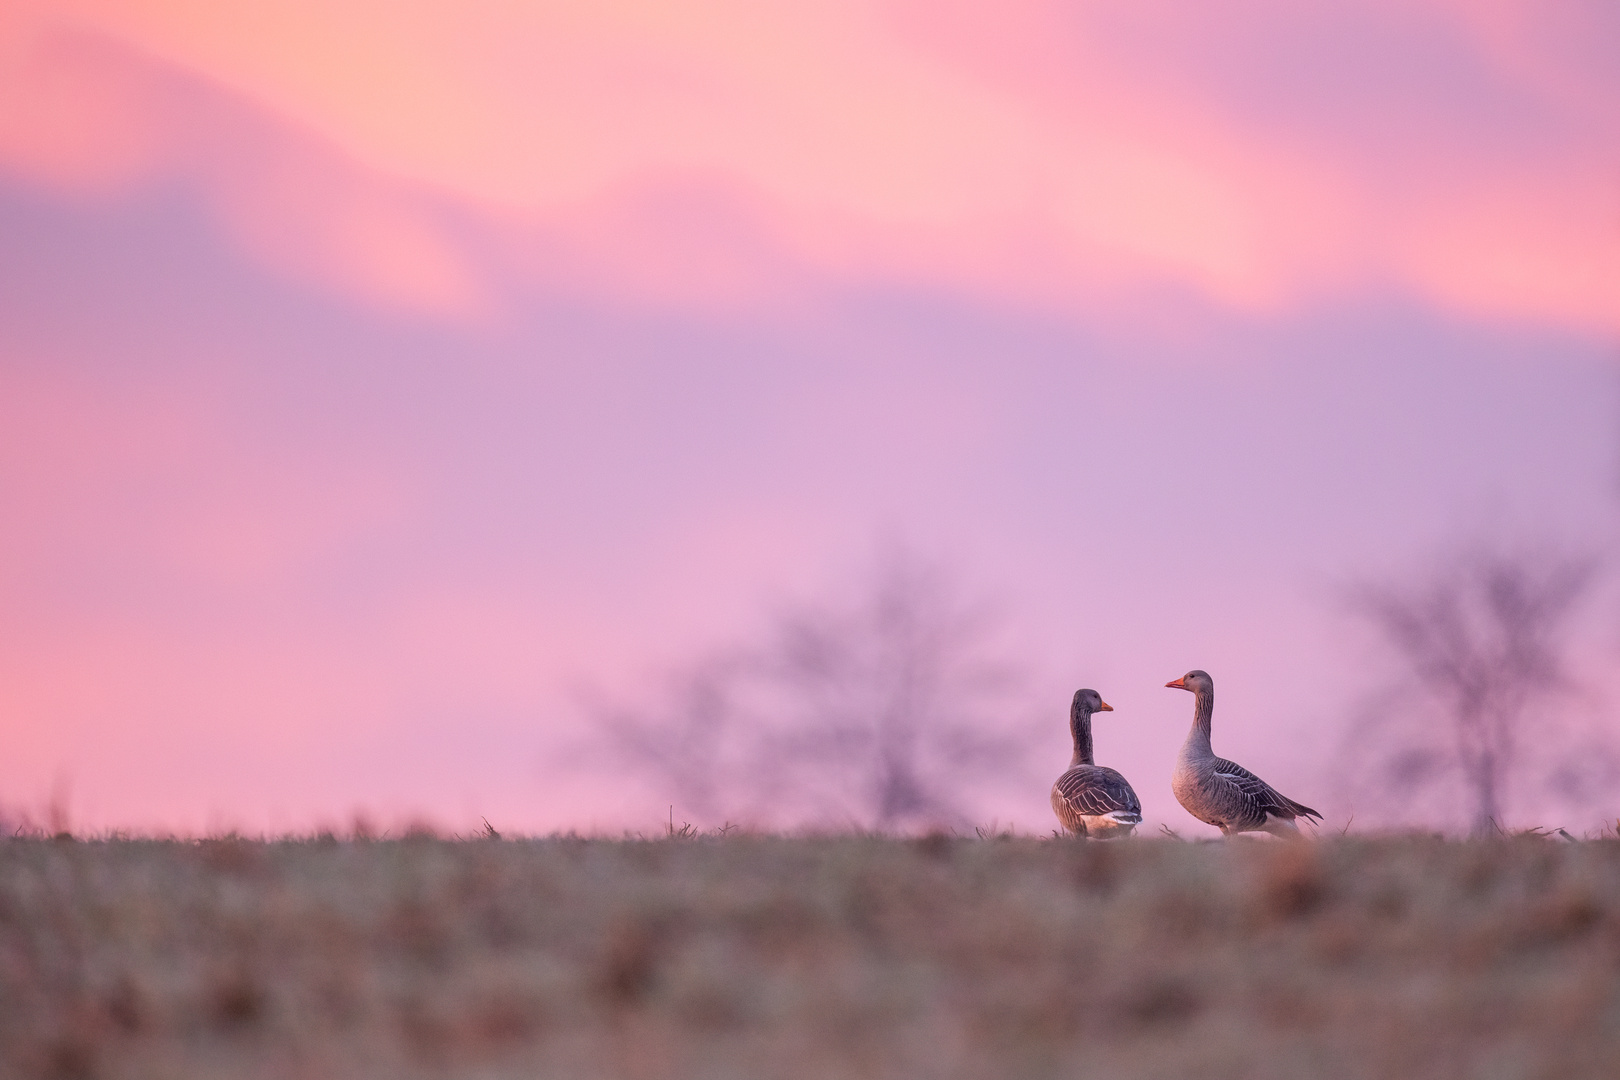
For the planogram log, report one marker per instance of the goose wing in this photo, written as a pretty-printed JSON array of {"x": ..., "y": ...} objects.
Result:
[
  {"x": 1258, "y": 795},
  {"x": 1093, "y": 790}
]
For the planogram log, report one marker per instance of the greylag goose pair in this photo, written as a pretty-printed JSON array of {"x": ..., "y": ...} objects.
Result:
[{"x": 1094, "y": 801}]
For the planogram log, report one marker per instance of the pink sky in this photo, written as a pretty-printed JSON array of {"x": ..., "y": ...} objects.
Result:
[{"x": 373, "y": 373}]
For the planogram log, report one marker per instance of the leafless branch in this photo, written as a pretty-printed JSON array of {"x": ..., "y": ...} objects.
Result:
[
  {"x": 1482, "y": 642},
  {"x": 890, "y": 710}
]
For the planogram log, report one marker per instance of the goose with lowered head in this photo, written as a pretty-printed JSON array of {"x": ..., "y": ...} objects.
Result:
[
  {"x": 1093, "y": 800},
  {"x": 1220, "y": 792}
]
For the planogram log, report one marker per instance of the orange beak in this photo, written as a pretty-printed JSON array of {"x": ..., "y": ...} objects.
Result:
[
  {"x": 1179, "y": 684},
  {"x": 1105, "y": 707}
]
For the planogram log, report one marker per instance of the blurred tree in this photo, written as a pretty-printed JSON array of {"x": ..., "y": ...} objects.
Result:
[
  {"x": 688, "y": 740},
  {"x": 1483, "y": 641},
  {"x": 891, "y": 710}
]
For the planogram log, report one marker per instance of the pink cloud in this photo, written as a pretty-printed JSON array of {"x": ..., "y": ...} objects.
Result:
[
  {"x": 91, "y": 116},
  {"x": 1040, "y": 155}
]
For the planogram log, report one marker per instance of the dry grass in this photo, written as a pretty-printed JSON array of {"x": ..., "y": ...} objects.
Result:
[{"x": 764, "y": 957}]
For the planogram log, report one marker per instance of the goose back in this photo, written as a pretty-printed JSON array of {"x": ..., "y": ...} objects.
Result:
[
  {"x": 1224, "y": 794},
  {"x": 1096, "y": 801}
]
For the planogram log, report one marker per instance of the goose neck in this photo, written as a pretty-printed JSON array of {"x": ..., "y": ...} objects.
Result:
[
  {"x": 1080, "y": 728},
  {"x": 1203, "y": 715}
]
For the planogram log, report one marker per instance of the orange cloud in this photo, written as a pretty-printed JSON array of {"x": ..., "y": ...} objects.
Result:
[
  {"x": 726, "y": 152},
  {"x": 88, "y": 115}
]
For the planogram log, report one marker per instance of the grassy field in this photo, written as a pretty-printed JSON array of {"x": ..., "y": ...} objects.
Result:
[{"x": 761, "y": 957}]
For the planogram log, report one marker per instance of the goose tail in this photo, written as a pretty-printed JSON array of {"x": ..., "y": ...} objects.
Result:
[{"x": 1301, "y": 810}]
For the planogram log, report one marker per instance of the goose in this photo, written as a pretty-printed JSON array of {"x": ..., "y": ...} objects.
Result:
[
  {"x": 1091, "y": 800},
  {"x": 1220, "y": 792}
]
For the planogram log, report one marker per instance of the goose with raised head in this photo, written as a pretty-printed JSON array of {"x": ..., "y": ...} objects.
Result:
[
  {"x": 1220, "y": 792},
  {"x": 1093, "y": 800}
]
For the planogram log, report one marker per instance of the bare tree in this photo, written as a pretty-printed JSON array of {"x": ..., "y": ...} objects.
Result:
[
  {"x": 895, "y": 705},
  {"x": 687, "y": 739},
  {"x": 1483, "y": 643},
  {"x": 890, "y": 710}
]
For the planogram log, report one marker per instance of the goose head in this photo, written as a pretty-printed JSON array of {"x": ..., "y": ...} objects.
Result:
[
  {"x": 1198, "y": 682},
  {"x": 1089, "y": 701}
]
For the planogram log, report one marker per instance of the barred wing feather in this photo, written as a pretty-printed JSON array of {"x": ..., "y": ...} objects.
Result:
[
  {"x": 1259, "y": 795},
  {"x": 1094, "y": 790}
]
